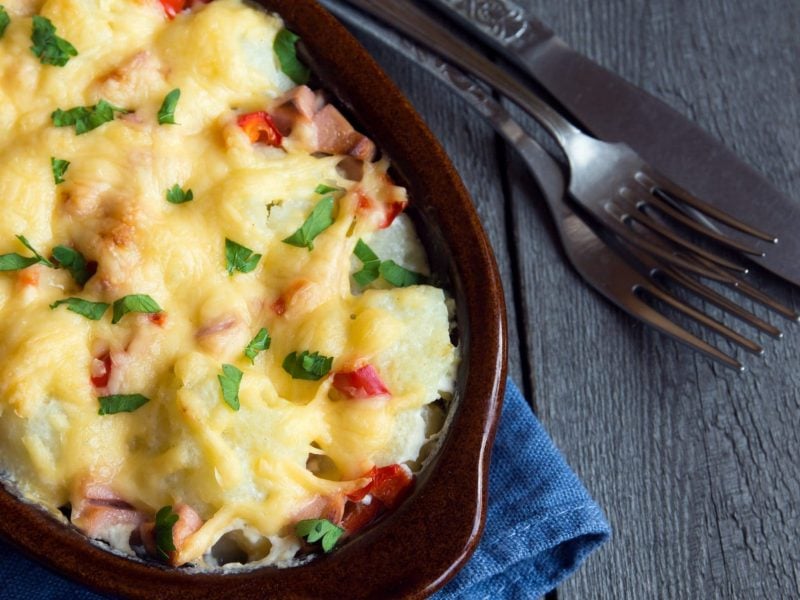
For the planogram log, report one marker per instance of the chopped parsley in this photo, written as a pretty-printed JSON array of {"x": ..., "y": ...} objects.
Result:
[
  {"x": 285, "y": 47},
  {"x": 64, "y": 257},
  {"x": 318, "y": 221},
  {"x": 166, "y": 114},
  {"x": 16, "y": 262},
  {"x": 119, "y": 403},
  {"x": 229, "y": 381},
  {"x": 74, "y": 262},
  {"x": 373, "y": 268},
  {"x": 239, "y": 258},
  {"x": 141, "y": 303},
  {"x": 59, "y": 166},
  {"x": 319, "y": 530},
  {"x": 4, "y": 20},
  {"x": 86, "y": 118},
  {"x": 39, "y": 258},
  {"x": 399, "y": 276},
  {"x": 258, "y": 344},
  {"x": 328, "y": 189},
  {"x": 91, "y": 310},
  {"x": 51, "y": 49},
  {"x": 370, "y": 270},
  {"x": 175, "y": 195},
  {"x": 165, "y": 521},
  {"x": 307, "y": 366}
]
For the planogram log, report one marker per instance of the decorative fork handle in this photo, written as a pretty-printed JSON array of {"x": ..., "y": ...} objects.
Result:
[
  {"x": 503, "y": 21},
  {"x": 543, "y": 168},
  {"x": 418, "y": 25}
]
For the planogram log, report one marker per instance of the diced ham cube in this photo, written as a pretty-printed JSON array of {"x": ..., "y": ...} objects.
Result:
[
  {"x": 322, "y": 507},
  {"x": 297, "y": 105},
  {"x": 96, "y": 508},
  {"x": 335, "y": 135}
]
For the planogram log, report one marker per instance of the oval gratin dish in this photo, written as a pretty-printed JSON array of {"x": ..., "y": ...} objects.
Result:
[{"x": 414, "y": 550}]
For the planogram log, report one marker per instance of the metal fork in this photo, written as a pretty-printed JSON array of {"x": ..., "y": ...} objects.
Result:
[
  {"x": 609, "y": 180},
  {"x": 603, "y": 267}
]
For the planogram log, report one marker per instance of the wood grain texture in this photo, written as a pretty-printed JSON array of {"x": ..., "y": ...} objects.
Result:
[{"x": 698, "y": 468}]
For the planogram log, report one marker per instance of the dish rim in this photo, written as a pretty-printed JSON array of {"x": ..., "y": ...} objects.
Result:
[{"x": 437, "y": 511}]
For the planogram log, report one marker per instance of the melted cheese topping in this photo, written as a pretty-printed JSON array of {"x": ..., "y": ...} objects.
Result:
[{"x": 246, "y": 470}]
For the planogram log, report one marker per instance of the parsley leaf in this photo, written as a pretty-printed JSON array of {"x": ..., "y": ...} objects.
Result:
[
  {"x": 4, "y": 20},
  {"x": 399, "y": 276},
  {"x": 311, "y": 367},
  {"x": 166, "y": 114},
  {"x": 39, "y": 258},
  {"x": 239, "y": 258},
  {"x": 286, "y": 51},
  {"x": 86, "y": 118},
  {"x": 111, "y": 405},
  {"x": 373, "y": 268},
  {"x": 258, "y": 344},
  {"x": 328, "y": 189},
  {"x": 91, "y": 310},
  {"x": 74, "y": 262},
  {"x": 59, "y": 167},
  {"x": 51, "y": 49},
  {"x": 17, "y": 262},
  {"x": 315, "y": 530},
  {"x": 229, "y": 381},
  {"x": 134, "y": 303},
  {"x": 370, "y": 270},
  {"x": 175, "y": 195},
  {"x": 165, "y": 521},
  {"x": 318, "y": 221}
]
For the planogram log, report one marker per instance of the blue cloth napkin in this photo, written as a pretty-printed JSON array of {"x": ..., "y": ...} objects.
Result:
[
  {"x": 541, "y": 523},
  {"x": 540, "y": 526}
]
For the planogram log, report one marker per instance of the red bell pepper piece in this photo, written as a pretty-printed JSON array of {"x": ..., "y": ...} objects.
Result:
[
  {"x": 388, "y": 487},
  {"x": 259, "y": 127},
  {"x": 359, "y": 516},
  {"x": 390, "y": 209},
  {"x": 159, "y": 318},
  {"x": 100, "y": 380},
  {"x": 173, "y": 7},
  {"x": 388, "y": 484},
  {"x": 391, "y": 485},
  {"x": 361, "y": 383}
]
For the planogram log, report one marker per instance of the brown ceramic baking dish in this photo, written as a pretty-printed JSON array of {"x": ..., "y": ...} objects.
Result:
[{"x": 415, "y": 550}]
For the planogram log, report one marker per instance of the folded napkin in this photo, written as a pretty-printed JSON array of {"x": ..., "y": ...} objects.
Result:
[
  {"x": 540, "y": 526},
  {"x": 541, "y": 523}
]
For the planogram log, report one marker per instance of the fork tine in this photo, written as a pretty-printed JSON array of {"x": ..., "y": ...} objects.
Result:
[
  {"x": 756, "y": 294},
  {"x": 705, "y": 320},
  {"x": 700, "y": 289},
  {"x": 655, "y": 201},
  {"x": 657, "y": 183},
  {"x": 628, "y": 195},
  {"x": 615, "y": 221},
  {"x": 761, "y": 297},
  {"x": 657, "y": 320},
  {"x": 722, "y": 302}
]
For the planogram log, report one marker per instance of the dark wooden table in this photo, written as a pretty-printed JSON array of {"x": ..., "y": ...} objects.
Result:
[{"x": 697, "y": 467}]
